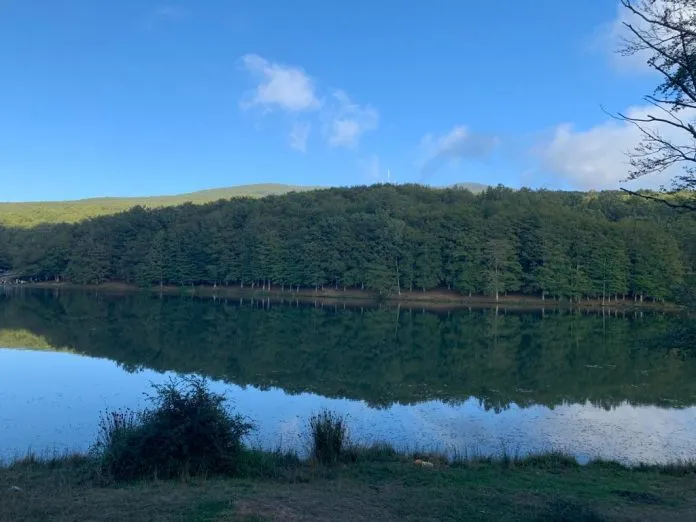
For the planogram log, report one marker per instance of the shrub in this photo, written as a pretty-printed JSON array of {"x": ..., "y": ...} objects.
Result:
[
  {"x": 329, "y": 436},
  {"x": 187, "y": 431}
]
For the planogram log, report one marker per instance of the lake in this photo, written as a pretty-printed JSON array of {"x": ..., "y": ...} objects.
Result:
[{"x": 463, "y": 381}]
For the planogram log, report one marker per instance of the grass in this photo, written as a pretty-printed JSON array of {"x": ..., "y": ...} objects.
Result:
[
  {"x": 184, "y": 459},
  {"x": 377, "y": 484}
]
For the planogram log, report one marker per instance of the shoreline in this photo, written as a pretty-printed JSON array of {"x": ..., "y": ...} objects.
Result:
[
  {"x": 375, "y": 483},
  {"x": 442, "y": 299}
]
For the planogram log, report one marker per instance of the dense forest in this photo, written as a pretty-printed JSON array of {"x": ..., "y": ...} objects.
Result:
[
  {"x": 384, "y": 238},
  {"x": 382, "y": 355}
]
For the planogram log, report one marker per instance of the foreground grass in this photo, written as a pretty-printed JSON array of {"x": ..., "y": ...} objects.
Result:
[{"x": 368, "y": 484}]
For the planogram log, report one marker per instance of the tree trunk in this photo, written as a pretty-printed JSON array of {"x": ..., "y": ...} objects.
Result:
[{"x": 398, "y": 283}]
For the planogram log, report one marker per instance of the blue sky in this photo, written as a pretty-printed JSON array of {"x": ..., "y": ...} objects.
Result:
[{"x": 141, "y": 97}]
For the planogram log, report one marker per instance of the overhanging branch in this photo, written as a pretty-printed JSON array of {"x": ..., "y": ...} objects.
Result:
[{"x": 671, "y": 204}]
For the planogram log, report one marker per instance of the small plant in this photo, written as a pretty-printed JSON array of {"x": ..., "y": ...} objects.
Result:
[
  {"x": 188, "y": 431},
  {"x": 329, "y": 436},
  {"x": 114, "y": 426},
  {"x": 378, "y": 452},
  {"x": 257, "y": 463},
  {"x": 554, "y": 460}
]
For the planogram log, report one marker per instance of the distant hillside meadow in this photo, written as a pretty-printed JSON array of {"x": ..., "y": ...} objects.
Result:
[
  {"x": 384, "y": 238},
  {"x": 35, "y": 213}
]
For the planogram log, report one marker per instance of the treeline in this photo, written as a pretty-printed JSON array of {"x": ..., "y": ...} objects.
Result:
[
  {"x": 383, "y": 238},
  {"x": 380, "y": 355}
]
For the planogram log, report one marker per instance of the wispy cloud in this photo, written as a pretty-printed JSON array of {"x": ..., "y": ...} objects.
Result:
[
  {"x": 171, "y": 11},
  {"x": 299, "y": 135},
  {"x": 291, "y": 90},
  {"x": 372, "y": 170},
  {"x": 458, "y": 144},
  {"x": 611, "y": 37},
  {"x": 350, "y": 121}
]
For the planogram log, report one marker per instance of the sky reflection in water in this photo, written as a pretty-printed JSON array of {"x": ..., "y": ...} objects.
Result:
[{"x": 52, "y": 401}]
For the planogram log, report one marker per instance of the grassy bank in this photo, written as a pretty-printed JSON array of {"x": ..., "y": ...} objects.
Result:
[
  {"x": 375, "y": 485},
  {"x": 184, "y": 459},
  {"x": 441, "y": 299}
]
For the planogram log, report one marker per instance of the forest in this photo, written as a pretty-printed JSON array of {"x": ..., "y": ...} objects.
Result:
[
  {"x": 382, "y": 238},
  {"x": 380, "y": 354}
]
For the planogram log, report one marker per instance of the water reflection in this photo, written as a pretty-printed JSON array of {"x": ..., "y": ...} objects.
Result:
[
  {"x": 51, "y": 402},
  {"x": 467, "y": 381}
]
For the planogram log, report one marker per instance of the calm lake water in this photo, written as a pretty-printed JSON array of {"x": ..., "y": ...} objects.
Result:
[{"x": 465, "y": 381}]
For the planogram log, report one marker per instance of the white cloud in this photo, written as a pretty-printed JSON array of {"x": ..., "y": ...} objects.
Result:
[
  {"x": 596, "y": 158},
  {"x": 349, "y": 121},
  {"x": 280, "y": 86},
  {"x": 299, "y": 135},
  {"x": 459, "y": 143},
  {"x": 293, "y": 91}
]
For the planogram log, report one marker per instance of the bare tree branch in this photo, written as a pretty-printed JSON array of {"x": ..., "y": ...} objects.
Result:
[
  {"x": 683, "y": 206},
  {"x": 654, "y": 119},
  {"x": 628, "y": 4},
  {"x": 662, "y": 70},
  {"x": 666, "y": 30},
  {"x": 680, "y": 104},
  {"x": 685, "y": 52}
]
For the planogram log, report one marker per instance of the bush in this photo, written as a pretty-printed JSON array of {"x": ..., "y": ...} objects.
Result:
[
  {"x": 329, "y": 436},
  {"x": 188, "y": 431}
]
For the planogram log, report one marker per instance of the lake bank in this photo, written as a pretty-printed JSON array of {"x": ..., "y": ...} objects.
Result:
[
  {"x": 435, "y": 300},
  {"x": 377, "y": 485}
]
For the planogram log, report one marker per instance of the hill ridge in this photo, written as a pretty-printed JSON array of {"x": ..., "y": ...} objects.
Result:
[
  {"x": 26, "y": 214},
  {"x": 31, "y": 213}
]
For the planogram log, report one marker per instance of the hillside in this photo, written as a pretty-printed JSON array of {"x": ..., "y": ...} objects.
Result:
[
  {"x": 475, "y": 188},
  {"x": 34, "y": 213},
  {"x": 29, "y": 214}
]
